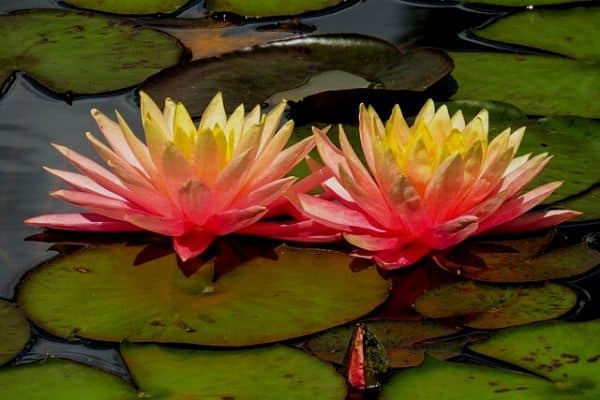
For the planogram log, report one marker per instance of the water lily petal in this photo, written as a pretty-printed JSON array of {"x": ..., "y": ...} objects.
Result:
[
  {"x": 192, "y": 244},
  {"x": 233, "y": 220},
  {"x": 85, "y": 222},
  {"x": 213, "y": 115},
  {"x": 536, "y": 220}
]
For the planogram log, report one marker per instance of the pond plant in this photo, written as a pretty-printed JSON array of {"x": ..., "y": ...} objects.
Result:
[{"x": 442, "y": 244}]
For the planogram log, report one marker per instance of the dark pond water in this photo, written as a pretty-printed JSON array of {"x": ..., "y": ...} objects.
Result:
[{"x": 31, "y": 117}]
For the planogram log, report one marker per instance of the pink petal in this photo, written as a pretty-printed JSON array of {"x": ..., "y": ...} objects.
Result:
[
  {"x": 451, "y": 232},
  {"x": 304, "y": 231},
  {"x": 192, "y": 244},
  {"x": 234, "y": 220},
  {"x": 331, "y": 214},
  {"x": 402, "y": 257},
  {"x": 266, "y": 194},
  {"x": 517, "y": 206},
  {"x": 440, "y": 193},
  {"x": 96, "y": 203},
  {"x": 376, "y": 243},
  {"x": 81, "y": 222},
  {"x": 366, "y": 132},
  {"x": 406, "y": 203},
  {"x": 514, "y": 182},
  {"x": 158, "y": 224},
  {"x": 82, "y": 183},
  {"x": 536, "y": 220},
  {"x": 194, "y": 198}
]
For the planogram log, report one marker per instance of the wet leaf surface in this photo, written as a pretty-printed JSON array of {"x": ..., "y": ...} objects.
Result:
[
  {"x": 268, "y": 8},
  {"x": 300, "y": 292},
  {"x": 253, "y": 75},
  {"x": 130, "y": 6},
  {"x": 521, "y": 3},
  {"x": 491, "y": 307},
  {"x": 45, "y": 43},
  {"x": 559, "y": 351},
  {"x": 572, "y": 32},
  {"x": 399, "y": 338},
  {"x": 62, "y": 379},
  {"x": 275, "y": 372},
  {"x": 519, "y": 260},
  {"x": 538, "y": 85},
  {"x": 14, "y": 332}
]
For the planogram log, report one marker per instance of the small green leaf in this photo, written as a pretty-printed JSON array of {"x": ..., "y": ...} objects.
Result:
[
  {"x": 275, "y": 372},
  {"x": 490, "y": 307},
  {"x": 99, "y": 293},
  {"x": 14, "y": 332}
]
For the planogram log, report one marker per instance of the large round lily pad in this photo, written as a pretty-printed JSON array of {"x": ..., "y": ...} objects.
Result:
[
  {"x": 275, "y": 372},
  {"x": 538, "y": 85},
  {"x": 519, "y": 260},
  {"x": 399, "y": 338},
  {"x": 588, "y": 202},
  {"x": 130, "y": 6},
  {"x": 492, "y": 307},
  {"x": 98, "y": 293},
  {"x": 572, "y": 32},
  {"x": 253, "y": 75},
  {"x": 64, "y": 380},
  {"x": 81, "y": 52},
  {"x": 269, "y": 8},
  {"x": 14, "y": 332},
  {"x": 560, "y": 351}
]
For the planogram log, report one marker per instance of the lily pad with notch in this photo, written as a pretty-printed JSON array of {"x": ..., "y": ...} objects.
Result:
[
  {"x": 15, "y": 332},
  {"x": 251, "y": 76},
  {"x": 401, "y": 340},
  {"x": 571, "y": 33},
  {"x": 560, "y": 354},
  {"x": 273, "y": 372},
  {"x": 118, "y": 53},
  {"x": 130, "y": 7},
  {"x": 530, "y": 259},
  {"x": 495, "y": 307},
  {"x": 300, "y": 292}
]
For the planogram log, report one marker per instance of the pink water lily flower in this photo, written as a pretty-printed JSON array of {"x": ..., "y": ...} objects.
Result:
[
  {"x": 193, "y": 183},
  {"x": 427, "y": 186}
]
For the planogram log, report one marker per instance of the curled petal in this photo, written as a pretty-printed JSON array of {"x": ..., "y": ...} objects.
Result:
[
  {"x": 84, "y": 222},
  {"x": 536, "y": 220}
]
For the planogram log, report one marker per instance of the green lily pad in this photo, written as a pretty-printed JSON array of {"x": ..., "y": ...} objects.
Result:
[
  {"x": 136, "y": 7},
  {"x": 518, "y": 260},
  {"x": 269, "y": 8},
  {"x": 260, "y": 301},
  {"x": 251, "y": 76},
  {"x": 62, "y": 379},
  {"x": 275, "y": 372},
  {"x": 587, "y": 202},
  {"x": 536, "y": 84},
  {"x": 14, "y": 333},
  {"x": 571, "y": 32},
  {"x": 521, "y": 3},
  {"x": 560, "y": 351},
  {"x": 117, "y": 53},
  {"x": 399, "y": 338},
  {"x": 491, "y": 307}
]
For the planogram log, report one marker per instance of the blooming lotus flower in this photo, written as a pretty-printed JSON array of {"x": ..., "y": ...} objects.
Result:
[
  {"x": 428, "y": 186},
  {"x": 191, "y": 183}
]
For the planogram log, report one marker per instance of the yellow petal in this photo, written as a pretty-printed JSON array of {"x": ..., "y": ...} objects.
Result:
[
  {"x": 271, "y": 124},
  {"x": 458, "y": 120},
  {"x": 214, "y": 114},
  {"x": 425, "y": 114},
  {"x": 440, "y": 125},
  {"x": 233, "y": 129},
  {"x": 169, "y": 116},
  {"x": 149, "y": 109},
  {"x": 184, "y": 131},
  {"x": 396, "y": 129}
]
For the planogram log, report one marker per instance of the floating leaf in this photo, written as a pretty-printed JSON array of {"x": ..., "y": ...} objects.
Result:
[
  {"x": 300, "y": 292},
  {"x": 571, "y": 32},
  {"x": 522, "y": 3},
  {"x": 64, "y": 380},
  {"x": 116, "y": 53},
  {"x": 399, "y": 338},
  {"x": 253, "y": 75},
  {"x": 538, "y": 85},
  {"x": 275, "y": 372},
  {"x": 269, "y": 8},
  {"x": 519, "y": 260},
  {"x": 492, "y": 307},
  {"x": 588, "y": 203},
  {"x": 14, "y": 333},
  {"x": 130, "y": 6},
  {"x": 560, "y": 351}
]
